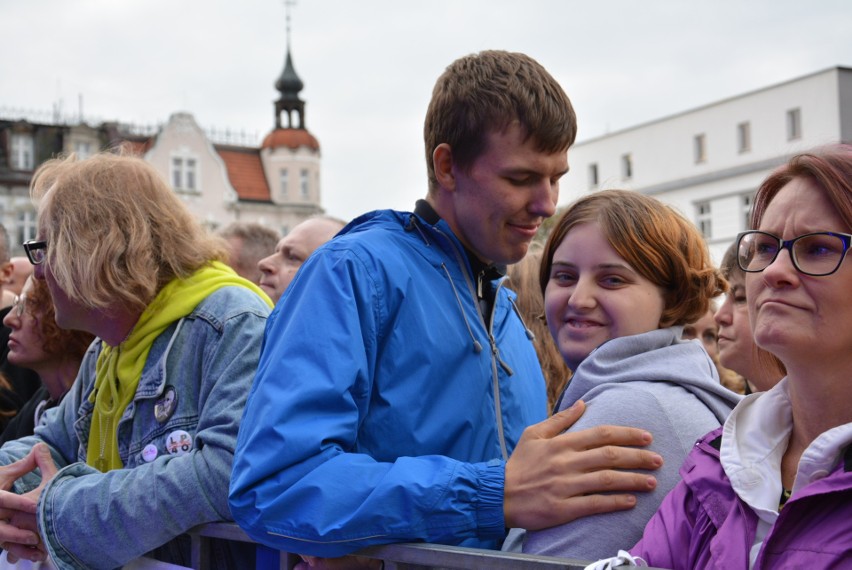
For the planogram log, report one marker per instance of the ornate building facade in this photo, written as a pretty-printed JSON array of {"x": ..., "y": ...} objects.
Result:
[{"x": 276, "y": 184}]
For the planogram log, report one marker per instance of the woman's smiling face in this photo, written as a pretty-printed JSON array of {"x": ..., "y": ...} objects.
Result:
[{"x": 593, "y": 295}]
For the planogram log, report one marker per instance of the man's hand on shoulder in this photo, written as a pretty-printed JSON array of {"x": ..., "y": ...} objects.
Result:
[{"x": 553, "y": 477}]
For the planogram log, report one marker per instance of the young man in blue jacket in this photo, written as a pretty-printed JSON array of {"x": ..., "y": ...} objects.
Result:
[{"x": 396, "y": 376}]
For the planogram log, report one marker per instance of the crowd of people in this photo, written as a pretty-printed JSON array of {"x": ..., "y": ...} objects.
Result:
[{"x": 432, "y": 375}]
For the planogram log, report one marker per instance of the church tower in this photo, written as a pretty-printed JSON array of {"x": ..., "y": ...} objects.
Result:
[
  {"x": 290, "y": 153},
  {"x": 289, "y": 85}
]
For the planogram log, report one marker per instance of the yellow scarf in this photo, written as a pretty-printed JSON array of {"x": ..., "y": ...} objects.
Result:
[{"x": 119, "y": 369}]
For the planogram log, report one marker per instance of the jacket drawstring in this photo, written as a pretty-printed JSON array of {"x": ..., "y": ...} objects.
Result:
[
  {"x": 477, "y": 347},
  {"x": 412, "y": 225},
  {"x": 530, "y": 334}
]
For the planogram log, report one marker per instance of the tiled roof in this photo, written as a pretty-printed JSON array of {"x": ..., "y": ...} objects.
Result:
[
  {"x": 137, "y": 147},
  {"x": 292, "y": 138},
  {"x": 245, "y": 171}
]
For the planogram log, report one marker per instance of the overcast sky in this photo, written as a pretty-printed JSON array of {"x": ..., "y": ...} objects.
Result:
[{"x": 368, "y": 66}]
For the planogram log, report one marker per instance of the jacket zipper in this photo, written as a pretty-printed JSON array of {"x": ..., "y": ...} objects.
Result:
[{"x": 495, "y": 351}]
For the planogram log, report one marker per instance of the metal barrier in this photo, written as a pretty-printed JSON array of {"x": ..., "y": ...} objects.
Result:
[{"x": 412, "y": 556}]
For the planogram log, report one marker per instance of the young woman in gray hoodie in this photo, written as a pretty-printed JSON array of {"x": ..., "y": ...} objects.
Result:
[{"x": 621, "y": 274}]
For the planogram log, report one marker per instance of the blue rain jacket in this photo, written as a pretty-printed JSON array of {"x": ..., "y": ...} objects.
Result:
[{"x": 384, "y": 406}]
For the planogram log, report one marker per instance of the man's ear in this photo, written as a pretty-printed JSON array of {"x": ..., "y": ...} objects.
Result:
[
  {"x": 442, "y": 162},
  {"x": 6, "y": 272}
]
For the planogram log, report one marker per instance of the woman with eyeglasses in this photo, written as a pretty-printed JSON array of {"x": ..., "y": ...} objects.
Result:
[
  {"x": 140, "y": 449},
  {"x": 772, "y": 488},
  {"x": 35, "y": 342},
  {"x": 737, "y": 351}
]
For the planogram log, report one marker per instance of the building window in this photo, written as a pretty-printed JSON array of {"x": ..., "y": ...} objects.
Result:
[
  {"x": 744, "y": 137},
  {"x": 303, "y": 183},
  {"x": 190, "y": 173},
  {"x": 748, "y": 200},
  {"x": 703, "y": 219},
  {"x": 83, "y": 149},
  {"x": 283, "y": 178},
  {"x": 626, "y": 166},
  {"x": 185, "y": 173},
  {"x": 794, "y": 124},
  {"x": 23, "y": 152},
  {"x": 593, "y": 175},
  {"x": 699, "y": 148},
  {"x": 26, "y": 225},
  {"x": 177, "y": 173}
]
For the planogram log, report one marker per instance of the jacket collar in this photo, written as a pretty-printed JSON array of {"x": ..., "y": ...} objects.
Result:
[{"x": 490, "y": 271}]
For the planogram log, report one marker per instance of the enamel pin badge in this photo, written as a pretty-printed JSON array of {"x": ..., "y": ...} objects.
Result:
[{"x": 165, "y": 406}]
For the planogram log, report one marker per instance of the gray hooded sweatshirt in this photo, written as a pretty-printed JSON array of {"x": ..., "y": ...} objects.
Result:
[{"x": 654, "y": 381}]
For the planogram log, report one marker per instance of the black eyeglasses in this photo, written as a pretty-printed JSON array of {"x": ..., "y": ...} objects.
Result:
[
  {"x": 815, "y": 254},
  {"x": 36, "y": 251}
]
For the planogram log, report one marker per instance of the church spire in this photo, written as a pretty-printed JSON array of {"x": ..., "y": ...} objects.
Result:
[{"x": 289, "y": 85}]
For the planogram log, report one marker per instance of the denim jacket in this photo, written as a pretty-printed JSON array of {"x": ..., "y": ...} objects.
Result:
[{"x": 176, "y": 440}]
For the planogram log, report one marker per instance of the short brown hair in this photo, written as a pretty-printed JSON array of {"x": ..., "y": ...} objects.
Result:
[
  {"x": 485, "y": 92},
  {"x": 116, "y": 232},
  {"x": 660, "y": 244},
  {"x": 829, "y": 167}
]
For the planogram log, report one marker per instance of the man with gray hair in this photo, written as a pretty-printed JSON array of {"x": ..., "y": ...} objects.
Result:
[{"x": 248, "y": 242}]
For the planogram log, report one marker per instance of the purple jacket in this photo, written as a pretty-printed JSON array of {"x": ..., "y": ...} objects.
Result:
[{"x": 702, "y": 523}]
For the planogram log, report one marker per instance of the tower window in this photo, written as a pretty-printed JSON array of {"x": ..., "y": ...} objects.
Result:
[
  {"x": 284, "y": 179},
  {"x": 304, "y": 184}
]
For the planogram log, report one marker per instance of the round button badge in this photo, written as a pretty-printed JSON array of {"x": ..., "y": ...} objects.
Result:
[
  {"x": 150, "y": 453},
  {"x": 179, "y": 442}
]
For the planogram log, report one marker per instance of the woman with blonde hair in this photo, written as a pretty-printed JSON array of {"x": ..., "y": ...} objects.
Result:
[{"x": 140, "y": 450}]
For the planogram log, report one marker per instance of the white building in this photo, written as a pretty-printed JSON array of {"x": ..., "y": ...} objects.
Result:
[{"x": 709, "y": 161}]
